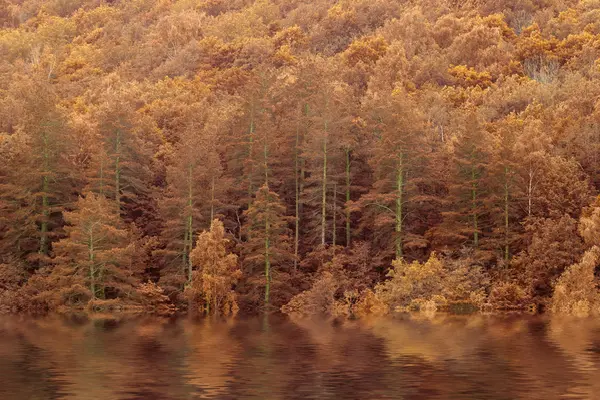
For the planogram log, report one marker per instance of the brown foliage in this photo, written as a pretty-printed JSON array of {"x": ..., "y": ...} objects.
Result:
[
  {"x": 468, "y": 129},
  {"x": 554, "y": 245},
  {"x": 154, "y": 300}
]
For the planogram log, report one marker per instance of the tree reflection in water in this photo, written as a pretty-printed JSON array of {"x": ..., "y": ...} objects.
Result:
[{"x": 274, "y": 357}]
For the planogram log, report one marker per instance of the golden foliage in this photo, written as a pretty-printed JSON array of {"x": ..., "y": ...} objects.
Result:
[
  {"x": 508, "y": 296},
  {"x": 589, "y": 224},
  {"x": 576, "y": 292},
  {"x": 416, "y": 127},
  {"x": 411, "y": 282},
  {"x": 467, "y": 77},
  {"x": 366, "y": 50},
  {"x": 211, "y": 287}
]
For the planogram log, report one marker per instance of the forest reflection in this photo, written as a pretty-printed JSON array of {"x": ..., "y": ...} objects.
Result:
[{"x": 273, "y": 357}]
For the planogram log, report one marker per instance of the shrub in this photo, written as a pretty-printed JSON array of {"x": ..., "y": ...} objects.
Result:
[
  {"x": 370, "y": 304},
  {"x": 465, "y": 282},
  {"x": 576, "y": 291},
  {"x": 154, "y": 300},
  {"x": 508, "y": 296},
  {"x": 319, "y": 299},
  {"x": 410, "y": 282}
]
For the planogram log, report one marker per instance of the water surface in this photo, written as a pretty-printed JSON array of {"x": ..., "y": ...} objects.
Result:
[{"x": 446, "y": 357}]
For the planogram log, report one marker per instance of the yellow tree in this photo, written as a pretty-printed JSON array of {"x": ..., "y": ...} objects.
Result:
[{"x": 211, "y": 286}]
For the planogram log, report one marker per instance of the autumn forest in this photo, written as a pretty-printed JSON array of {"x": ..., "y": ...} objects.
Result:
[{"x": 345, "y": 157}]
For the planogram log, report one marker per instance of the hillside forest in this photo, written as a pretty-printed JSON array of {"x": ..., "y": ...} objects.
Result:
[{"x": 345, "y": 157}]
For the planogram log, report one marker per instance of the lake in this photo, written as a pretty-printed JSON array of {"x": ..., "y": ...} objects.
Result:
[{"x": 275, "y": 357}]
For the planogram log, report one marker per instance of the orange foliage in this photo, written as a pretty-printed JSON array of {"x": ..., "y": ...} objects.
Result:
[{"x": 332, "y": 139}]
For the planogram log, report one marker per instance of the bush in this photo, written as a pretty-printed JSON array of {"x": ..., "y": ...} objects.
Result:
[
  {"x": 465, "y": 282},
  {"x": 411, "y": 282},
  {"x": 414, "y": 286},
  {"x": 154, "y": 300},
  {"x": 370, "y": 304},
  {"x": 343, "y": 275},
  {"x": 508, "y": 296},
  {"x": 12, "y": 277},
  {"x": 319, "y": 299},
  {"x": 576, "y": 291}
]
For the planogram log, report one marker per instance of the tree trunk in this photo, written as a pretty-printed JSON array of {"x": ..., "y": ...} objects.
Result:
[
  {"x": 189, "y": 225},
  {"x": 212, "y": 201},
  {"x": 250, "y": 147},
  {"x": 399, "y": 205},
  {"x": 118, "y": 171},
  {"x": 45, "y": 201},
  {"x": 324, "y": 189},
  {"x": 474, "y": 206},
  {"x": 333, "y": 240},
  {"x": 297, "y": 195},
  {"x": 92, "y": 266},
  {"x": 347, "y": 211},
  {"x": 267, "y": 262},
  {"x": 506, "y": 227}
]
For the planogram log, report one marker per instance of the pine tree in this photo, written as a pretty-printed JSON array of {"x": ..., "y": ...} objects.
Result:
[
  {"x": 325, "y": 154},
  {"x": 504, "y": 169},
  {"x": 465, "y": 217},
  {"x": 121, "y": 164}
]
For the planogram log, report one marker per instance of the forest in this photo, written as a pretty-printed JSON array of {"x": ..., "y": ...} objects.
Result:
[{"x": 347, "y": 157}]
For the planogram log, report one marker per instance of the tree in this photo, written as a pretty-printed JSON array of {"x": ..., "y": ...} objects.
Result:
[
  {"x": 216, "y": 273},
  {"x": 121, "y": 170},
  {"x": 97, "y": 252},
  {"x": 467, "y": 191},
  {"x": 329, "y": 114},
  {"x": 552, "y": 246},
  {"x": 267, "y": 242},
  {"x": 504, "y": 170},
  {"x": 194, "y": 184},
  {"x": 38, "y": 185},
  {"x": 576, "y": 291},
  {"x": 397, "y": 160}
]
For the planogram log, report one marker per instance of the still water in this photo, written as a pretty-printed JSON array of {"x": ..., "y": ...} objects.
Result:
[{"x": 409, "y": 357}]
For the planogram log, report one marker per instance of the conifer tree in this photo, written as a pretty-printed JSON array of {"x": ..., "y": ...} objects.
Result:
[
  {"x": 121, "y": 167},
  {"x": 268, "y": 244},
  {"x": 194, "y": 186},
  {"x": 465, "y": 218},
  {"x": 97, "y": 252},
  {"x": 37, "y": 187},
  {"x": 397, "y": 159}
]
